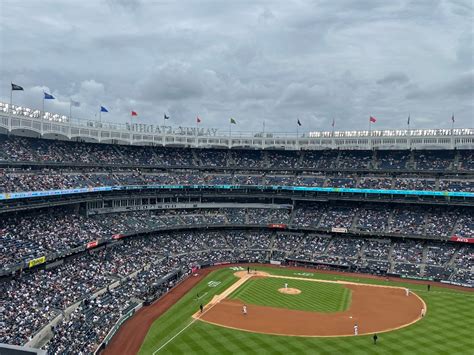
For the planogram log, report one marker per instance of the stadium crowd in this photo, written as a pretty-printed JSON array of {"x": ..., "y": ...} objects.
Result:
[
  {"x": 53, "y": 231},
  {"x": 79, "y": 278},
  {"x": 21, "y": 149}
]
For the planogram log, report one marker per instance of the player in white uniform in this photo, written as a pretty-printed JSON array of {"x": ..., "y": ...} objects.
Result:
[
  {"x": 286, "y": 285},
  {"x": 407, "y": 291},
  {"x": 244, "y": 310},
  {"x": 423, "y": 312},
  {"x": 356, "y": 329}
]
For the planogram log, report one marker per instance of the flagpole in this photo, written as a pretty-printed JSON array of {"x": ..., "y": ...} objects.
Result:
[
  {"x": 452, "y": 124},
  {"x": 70, "y": 110},
  {"x": 370, "y": 133},
  {"x": 43, "y": 104},
  {"x": 164, "y": 131},
  {"x": 297, "y": 132},
  {"x": 11, "y": 109}
]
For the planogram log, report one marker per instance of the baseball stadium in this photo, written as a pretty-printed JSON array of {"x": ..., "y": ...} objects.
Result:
[
  {"x": 236, "y": 177},
  {"x": 152, "y": 239}
]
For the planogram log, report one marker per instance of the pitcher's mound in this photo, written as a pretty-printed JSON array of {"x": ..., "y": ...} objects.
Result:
[{"x": 289, "y": 291}]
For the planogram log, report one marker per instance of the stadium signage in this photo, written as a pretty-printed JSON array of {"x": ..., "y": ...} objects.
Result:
[
  {"x": 180, "y": 130},
  {"x": 277, "y": 225},
  {"x": 19, "y": 195},
  {"x": 37, "y": 261},
  {"x": 92, "y": 244},
  {"x": 455, "y": 238},
  {"x": 338, "y": 230},
  {"x": 117, "y": 236}
]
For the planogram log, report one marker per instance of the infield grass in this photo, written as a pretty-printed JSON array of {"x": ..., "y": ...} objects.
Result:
[
  {"x": 314, "y": 296},
  {"x": 446, "y": 329}
]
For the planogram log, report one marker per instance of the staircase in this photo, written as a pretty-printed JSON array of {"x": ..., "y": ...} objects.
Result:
[{"x": 196, "y": 160}]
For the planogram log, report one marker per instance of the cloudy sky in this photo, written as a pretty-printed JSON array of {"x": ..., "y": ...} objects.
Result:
[{"x": 252, "y": 60}]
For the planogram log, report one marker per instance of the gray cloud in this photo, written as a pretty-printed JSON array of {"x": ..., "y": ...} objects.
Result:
[
  {"x": 394, "y": 78},
  {"x": 271, "y": 61}
]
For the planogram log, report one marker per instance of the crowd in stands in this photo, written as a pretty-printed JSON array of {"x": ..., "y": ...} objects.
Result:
[
  {"x": 48, "y": 232},
  {"x": 79, "y": 278},
  {"x": 19, "y": 180},
  {"x": 20, "y": 149}
]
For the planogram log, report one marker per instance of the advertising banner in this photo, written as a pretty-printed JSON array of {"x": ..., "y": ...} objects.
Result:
[
  {"x": 37, "y": 261},
  {"x": 455, "y": 238},
  {"x": 338, "y": 230},
  {"x": 277, "y": 225},
  {"x": 92, "y": 244}
]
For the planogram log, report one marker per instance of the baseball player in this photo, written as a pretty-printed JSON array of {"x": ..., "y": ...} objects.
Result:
[
  {"x": 244, "y": 310},
  {"x": 356, "y": 329},
  {"x": 423, "y": 312},
  {"x": 407, "y": 291},
  {"x": 286, "y": 285}
]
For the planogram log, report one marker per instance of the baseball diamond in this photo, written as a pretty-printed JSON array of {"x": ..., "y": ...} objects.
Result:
[{"x": 277, "y": 323}]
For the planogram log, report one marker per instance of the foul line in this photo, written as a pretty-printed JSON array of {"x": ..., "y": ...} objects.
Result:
[
  {"x": 208, "y": 307},
  {"x": 182, "y": 330}
]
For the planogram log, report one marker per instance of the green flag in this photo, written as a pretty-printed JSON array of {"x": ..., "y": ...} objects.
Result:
[{"x": 232, "y": 121}]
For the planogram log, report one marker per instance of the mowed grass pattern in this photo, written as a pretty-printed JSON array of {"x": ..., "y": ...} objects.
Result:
[
  {"x": 314, "y": 296},
  {"x": 446, "y": 329}
]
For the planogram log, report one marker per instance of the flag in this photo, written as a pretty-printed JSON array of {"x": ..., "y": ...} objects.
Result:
[
  {"x": 48, "y": 96},
  {"x": 372, "y": 119},
  {"x": 103, "y": 109},
  {"x": 408, "y": 121},
  {"x": 333, "y": 122},
  {"x": 134, "y": 113},
  {"x": 75, "y": 103},
  {"x": 232, "y": 121},
  {"x": 299, "y": 123},
  {"x": 16, "y": 87},
  {"x": 452, "y": 118},
  {"x": 166, "y": 117},
  {"x": 198, "y": 120}
]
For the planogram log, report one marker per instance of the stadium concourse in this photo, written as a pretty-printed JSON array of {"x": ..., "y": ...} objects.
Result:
[{"x": 91, "y": 232}]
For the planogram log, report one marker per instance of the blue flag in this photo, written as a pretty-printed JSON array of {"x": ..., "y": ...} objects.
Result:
[
  {"x": 48, "y": 96},
  {"x": 103, "y": 109}
]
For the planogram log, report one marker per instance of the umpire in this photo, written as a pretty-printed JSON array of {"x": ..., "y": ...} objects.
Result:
[{"x": 375, "y": 337}]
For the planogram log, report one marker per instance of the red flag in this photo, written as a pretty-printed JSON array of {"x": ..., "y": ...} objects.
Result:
[
  {"x": 372, "y": 119},
  {"x": 134, "y": 113},
  {"x": 198, "y": 120}
]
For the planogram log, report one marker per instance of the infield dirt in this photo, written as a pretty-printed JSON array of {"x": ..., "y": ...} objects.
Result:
[{"x": 375, "y": 309}]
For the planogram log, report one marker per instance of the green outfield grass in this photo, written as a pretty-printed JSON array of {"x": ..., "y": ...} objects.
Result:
[
  {"x": 446, "y": 329},
  {"x": 314, "y": 296}
]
